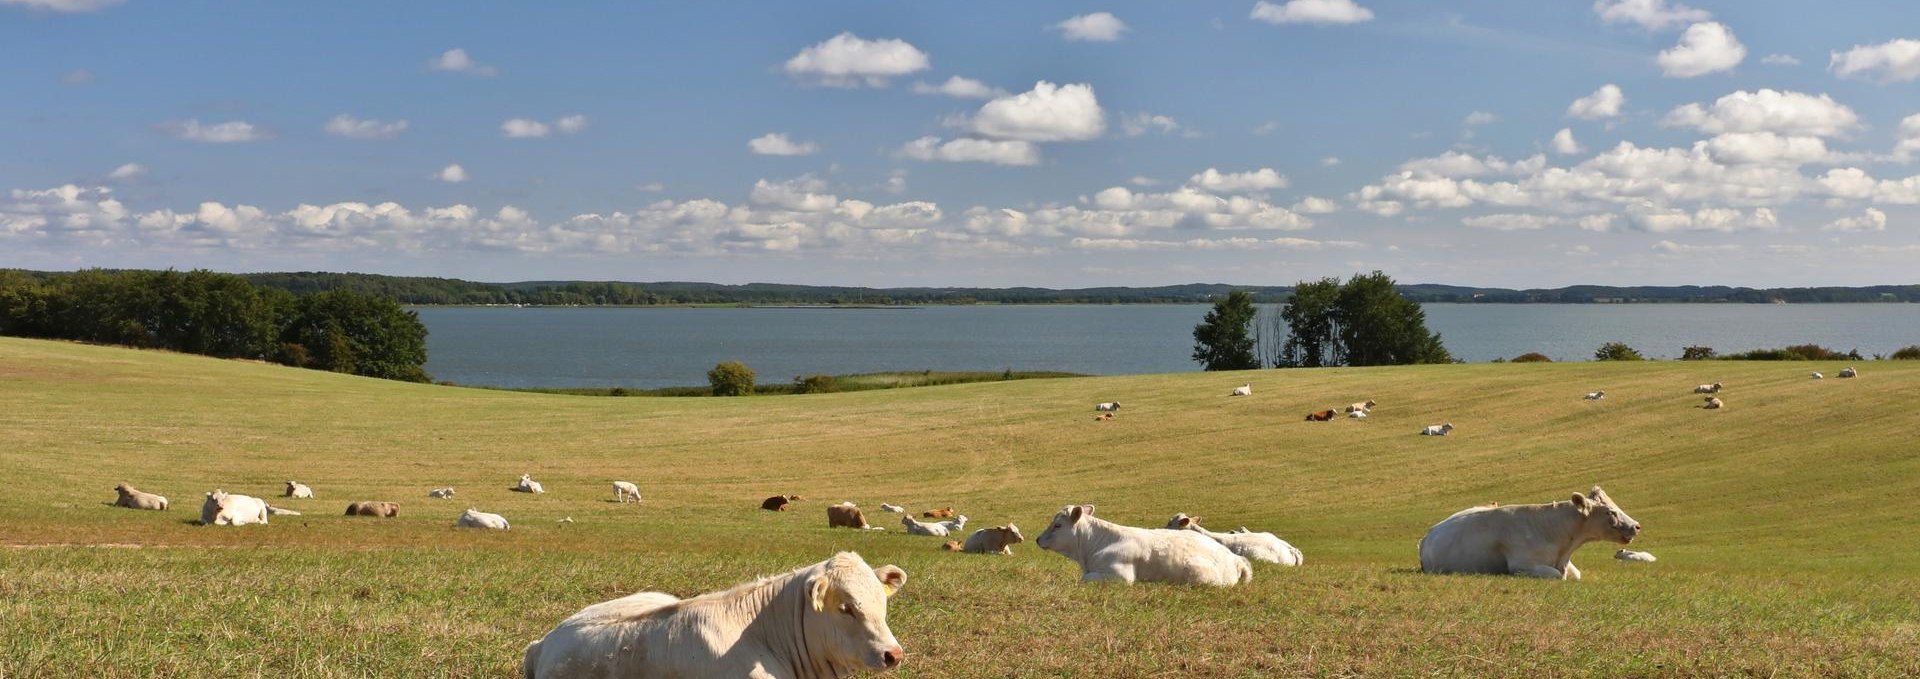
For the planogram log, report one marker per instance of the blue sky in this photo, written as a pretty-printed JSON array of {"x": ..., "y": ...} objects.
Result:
[{"x": 1110, "y": 143}]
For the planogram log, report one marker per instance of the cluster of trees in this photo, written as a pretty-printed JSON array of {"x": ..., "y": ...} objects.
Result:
[
  {"x": 221, "y": 315},
  {"x": 1364, "y": 321}
]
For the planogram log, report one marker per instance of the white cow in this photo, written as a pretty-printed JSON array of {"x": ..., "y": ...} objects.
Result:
[
  {"x": 824, "y": 620},
  {"x": 1437, "y": 429},
  {"x": 299, "y": 491},
  {"x": 528, "y": 485},
  {"x": 1110, "y": 551},
  {"x": 134, "y": 498},
  {"x": 1255, "y": 546},
  {"x": 938, "y": 529},
  {"x": 474, "y": 518},
  {"x": 623, "y": 490},
  {"x": 224, "y": 509},
  {"x": 995, "y": 540},
  {"x": 1243, "y": 390},
  {"x": 897, "y": 509},
  {"x": 1714, "y": 403},
  {"x": 1107, "y": 407},
  {"x": 1630, "y": 555},
  {"x": 1362, "y": 407},
  {"x": 1357, "y": 415},
  {"x": 1595, "y": 396},
  {"x": 1707, "y": 388},
  {"x": 1849, "y": 372},
  {"x": 1819, "y": 376},
  {"x": 442, "y": 493},
  {"x": 1531, "y": 540}
]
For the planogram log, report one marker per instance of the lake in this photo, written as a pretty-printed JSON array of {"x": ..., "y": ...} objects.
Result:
[{"x": 655, "y": 347}]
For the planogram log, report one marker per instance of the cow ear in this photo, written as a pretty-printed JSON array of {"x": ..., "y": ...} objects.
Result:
[
  {"x": 819, "y": 587},
  {"x": 1186, "y": 521},
  {"x": 1088, "y": 509},
  {"x": 1075, "y": 512},
  {"x": 891, "y": 577},
  {"x": 1581, "y": 503}
]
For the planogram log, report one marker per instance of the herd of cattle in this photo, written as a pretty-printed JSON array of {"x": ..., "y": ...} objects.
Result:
[{"x": 829, "y": 618}]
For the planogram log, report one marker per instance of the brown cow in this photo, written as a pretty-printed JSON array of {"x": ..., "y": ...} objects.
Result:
[
  {"x": 943, "y": 513},
  {"x": 1322, "y": 416},
  {"x": 995, "y": 540},
  {"x": 371, "y": 508},
  {"x": 778, "y": 503},
  {"x": 846, "y": 515},
  {"x": 951, "y": 546}
]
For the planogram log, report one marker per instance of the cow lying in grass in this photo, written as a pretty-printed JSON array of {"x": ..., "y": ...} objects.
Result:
[
  {"x": 1321, "y": 416},
  {"x": 474, "y": 518},
  {"x": 778, "y": 503},
  {"x": 226, "y": 509},
  {"x": 1110, "y": 551},
  {"x": 528, "y": 485},
  {"x": 370, "y": 508},
  {"x": 846, "y": 515},
  {"x": 995, "y": 540},
  {"x": 1255, "y": 546},
  {"x": 298, "y": 491},
  {"x": 134, "y": 498},
  {"x": 1531, "y": 540},
  {"x": 939, "y": 529},
  {"x": 441, "y": 493},
  {"x": 825, "y": 620}
]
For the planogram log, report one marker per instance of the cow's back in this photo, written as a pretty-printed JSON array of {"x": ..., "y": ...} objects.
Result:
[
  {"x": 1180, "y": 556},
  {"x": 608, "y": 639},
  {"x": 1470, "y": 541}
]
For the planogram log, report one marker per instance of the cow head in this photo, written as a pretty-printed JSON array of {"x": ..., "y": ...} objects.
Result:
[
  {"x": 852, "y": 598},
  {"x": 960, "y": 522},
  {"x": 123, "y": 489},
  {"x": 1065, "y": 525},
  {"x": 1010, "y": 534},
  {"x": 1604, "y": 519},
  {"x": 1183, "y": 522}
]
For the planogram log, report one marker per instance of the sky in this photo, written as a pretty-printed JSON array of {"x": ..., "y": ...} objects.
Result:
[{"x": 1509, "y": 143}]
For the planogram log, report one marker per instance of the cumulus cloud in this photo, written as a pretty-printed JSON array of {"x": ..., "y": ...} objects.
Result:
[
  {"x": 457, "y": 61},
  {"x": 1313, "y": 205},
  {"x": 1263, "y": 179},
  {"x": 1705, "y": 48},
  {"x": 1724, "y": 220},
  {"x": 452, "y": 174},
  {"x": 128, "y": 172},
  {"x": 960, "y": 88},
  {"x": 1095, "y": 27},
  {"x": 1480, "y": 118},
  {"x": 1603, "y": 103},
  {"x": 1780, "y": 60},
  {"x": 650, "y": 187},
  {"x": 1667, "y": 247},
  {"x": 573, "y": 124},
  {"x": 63, "y": 6},
  {"x": 1457, "y": 164},
  {"x": 1907, "y": 145},
  {"x": 995, "y": 151},
  {"x": 847, "y": 60},
  {"x": 1048, "y": 112},
  {"x": 801, "y": 194},
  {"x": 345, "y": 125},
  {"x": 1887, "y": 62},
  {"x": 1511, "y": 222},
  {"x": 1324, "y": 12},
  {"x": 1790, "y": 113},
  {"x": 1653, "y": 15},
  {"x": 1870, "y": 220},
  {"x": 1135, "y": 244},
  {"x": 233, "y": 131},
  {"x": 1749, "y": 148},
  {"x": 1564, "y": 144},
  {"x": 525, "y": 128},
  {"x": 1138, "y": 124},
  {"x": 777, "y": 144}
]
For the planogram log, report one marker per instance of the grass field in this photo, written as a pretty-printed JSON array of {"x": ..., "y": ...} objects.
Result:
[{"x": 1785, "y": 525}]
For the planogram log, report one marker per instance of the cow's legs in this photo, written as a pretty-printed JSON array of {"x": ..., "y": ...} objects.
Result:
[
  {"x": 1115, "y": 573},
  {"x": 1573, "y": 573},
  {"x": 1536, "y": 570}
]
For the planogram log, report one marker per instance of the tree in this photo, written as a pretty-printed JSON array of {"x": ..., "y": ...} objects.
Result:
[
  {"x": 1366, "y": 321},
  {"x": 731, "y": 378},
  {"x": 1532, "y": 357},
  {"x": 360, "y": 334},
  {"x": 1616, "y": 351},
  {"x": 1224, "y": 340},
  {"x": 1696, "y": 353},
  {"x": 1313, "y": 338}
]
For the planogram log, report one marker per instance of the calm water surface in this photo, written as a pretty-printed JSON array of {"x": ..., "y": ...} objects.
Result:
[{"x": 647, "y": 347}]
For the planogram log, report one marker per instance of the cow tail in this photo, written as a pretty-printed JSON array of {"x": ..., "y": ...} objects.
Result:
[
  {"x": 1246, "y": 571},
  {"x": 532, "y": 661},
  {"x": 276, "y": 511}
]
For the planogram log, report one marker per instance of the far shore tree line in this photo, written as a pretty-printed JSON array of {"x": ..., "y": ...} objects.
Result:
[{"x": 221, "y": 315}]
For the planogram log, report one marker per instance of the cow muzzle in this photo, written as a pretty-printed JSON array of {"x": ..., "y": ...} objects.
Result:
[{"x": 892, "y": 657}]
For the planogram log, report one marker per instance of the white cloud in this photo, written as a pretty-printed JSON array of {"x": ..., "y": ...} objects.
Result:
[
  {"x": 1511, "y": 222},
  {"x": 1143, "y": 181},
  {"x": 525, "y": 128},
  {"x": 1134, "y": 244},
  {"x": 1330, "y": 161},
  {"x": 998, "y": 152},
  {"x": 78, "y": 76},
  {"x": 1668, "y": 247},
  {"x": 457, "y": 61},
  {"x": 1908, "y": 144},
  {"x": 1653, "y": 15},
  {"x": 1790, "y": 113},
  {"x": 650, "y": 187},
  {"x": 573, "y": 124},
  {"x": 1749, "y": 148},
  {"x": 1870, "y": 220},
  {"x": 1313, "y": 205},
  {"x": 1780, "y": 60},
  {"x": 128, "y": 172},
  {"x": 345, "y": 125},
  {"x": 1704, "y": 48},
  {"x": 1602, "y": 222},
  {"x": 847, "y": 60},
  {"x": 1311, "y": 12},
  {"x": 1724, "y": 220},
  {"x": 1603, "y": 103},
  {"x": 63, "y": 6},
  {"x": 1138, "y": 124},
  {"x": 1045, "y": 113},
  {"x": 801, "y": 194},
  {"x": 1457, "y": 164},
  {"x": 777, "y": 144},
  {"x": 1480, "y": 118},
  {"x": 229, "y": 132},
  {"x": 452, "y": 174},
  {"x": 1564, "y": 143},
  {"x": 1266, "y": 128},
  {"x": 961, "y": 88},
  {"x": 1887, "y": 62},
  {"x": 1095, "y": 27},
  {"x": 1263, "y": 179}
]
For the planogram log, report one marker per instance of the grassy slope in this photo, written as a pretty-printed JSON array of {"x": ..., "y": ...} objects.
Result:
[{"x": 1784, "y": 524}]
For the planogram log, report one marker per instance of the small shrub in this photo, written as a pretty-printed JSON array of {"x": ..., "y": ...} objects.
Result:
[
  {"x": 1696, "y": 353},
  {"x": 1499, "y": 359},
  {"x": 731, "y": 378},
  {"x": 1798, "y": 352},
  {"x": 1532, "y": 357},
  {"x": 815, "y": 384},
  {"x": 1616, "y": 351},
  {"x": 1911, "y": 353}
]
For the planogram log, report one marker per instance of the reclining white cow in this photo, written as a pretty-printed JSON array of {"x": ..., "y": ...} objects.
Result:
[
  {"x": 938, "y": 529},
  {"x": 1243, "y": 390},
  {"x": 226, "y": 509},
  {"x": 474, "y": 518},
  {"x": 1532, "y": 540},
  {"x": 825, "y": 620},
  {"x": 298, "y": 491},
  {"x": 1256, "y": 546},
  {"x": 1110, "y": 551},
  {"x": 528, "y": 485}
]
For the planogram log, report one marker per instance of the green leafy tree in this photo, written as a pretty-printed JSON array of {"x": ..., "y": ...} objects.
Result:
[
  {"x": 360, "y": 334},
  {"x": 1312, "y": 329},
  {"x": 1696, "y": 353},
  {"x": 1532, "y": 357},
  {"x": 731, "y": 378},
  {"x": 1224, "y": 339},
  {"x": 1379, "y": 326},
  {"x": 1616, "y": 351}
]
